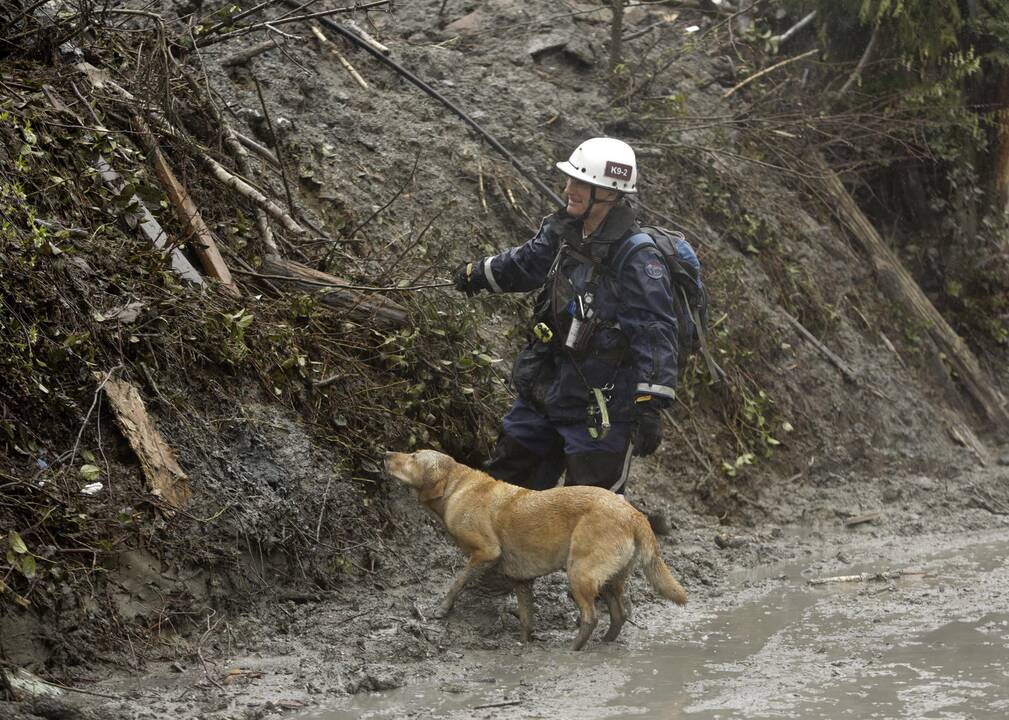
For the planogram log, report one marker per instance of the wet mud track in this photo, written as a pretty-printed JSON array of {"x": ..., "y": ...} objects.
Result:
[{"x": 763, "y": 644}]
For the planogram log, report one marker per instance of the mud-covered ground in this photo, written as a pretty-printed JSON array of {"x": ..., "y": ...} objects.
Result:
[
  {"x": 928, "y": 637},
  {"x": 253, "y": 638}
]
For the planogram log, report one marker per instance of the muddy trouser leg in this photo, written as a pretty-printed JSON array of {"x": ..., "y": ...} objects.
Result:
[
  {"x": 606, "y": 470},
  {"x": 602, "y": 463},
  {"x": 529, "y": 452}
]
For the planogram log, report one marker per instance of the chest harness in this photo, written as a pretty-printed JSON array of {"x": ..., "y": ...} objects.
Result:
[{"x": 565, "y": 300}]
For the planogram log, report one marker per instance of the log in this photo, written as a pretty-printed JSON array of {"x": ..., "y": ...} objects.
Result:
[
  {"x": 201, "y": 238},
  {"x": 243, "y": 56},
  {"x": 145, "y": 224},
  {"x": 898, "y": 285},
  {"x": 157, "y": 459},
  {"x": 358, "y": 305}
]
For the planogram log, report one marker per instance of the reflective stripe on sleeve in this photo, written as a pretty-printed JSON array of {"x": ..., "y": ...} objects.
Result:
[{"x": 489, "y": 274}]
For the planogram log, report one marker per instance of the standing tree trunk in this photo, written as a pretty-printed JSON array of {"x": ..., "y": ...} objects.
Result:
[
  {"x": 1000, "y": 159},
  {"x": 616, "y": 35}
]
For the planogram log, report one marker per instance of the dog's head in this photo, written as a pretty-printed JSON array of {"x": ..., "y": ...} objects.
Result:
[{"x": 426, "y": 471}]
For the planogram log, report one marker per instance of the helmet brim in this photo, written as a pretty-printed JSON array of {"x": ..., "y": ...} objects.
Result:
[{"x": 571, "y": 171}]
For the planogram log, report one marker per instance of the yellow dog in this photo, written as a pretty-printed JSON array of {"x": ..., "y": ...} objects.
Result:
[{"x": 590, "y": 532}]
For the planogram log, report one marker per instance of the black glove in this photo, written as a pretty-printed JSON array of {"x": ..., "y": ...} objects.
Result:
[
  {"x": 648, "y": 433},
  {"x": 469, "y": 278}
]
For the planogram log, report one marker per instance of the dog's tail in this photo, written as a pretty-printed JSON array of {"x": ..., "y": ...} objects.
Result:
[{"x": 654, "y": 566}]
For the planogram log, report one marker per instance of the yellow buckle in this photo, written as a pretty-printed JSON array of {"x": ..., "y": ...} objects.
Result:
[
  {"x": 603, "y": 429},
  {"x": 543, "y": 332}
]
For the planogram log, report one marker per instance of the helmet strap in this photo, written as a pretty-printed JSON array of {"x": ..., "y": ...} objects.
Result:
[{"x": 592, "y": 202}]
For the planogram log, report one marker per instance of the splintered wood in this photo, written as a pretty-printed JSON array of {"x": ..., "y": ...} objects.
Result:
[{"x": 161, "y": 468}]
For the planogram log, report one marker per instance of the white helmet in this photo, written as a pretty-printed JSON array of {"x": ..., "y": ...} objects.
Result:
[{"x": 603, "y": 162}]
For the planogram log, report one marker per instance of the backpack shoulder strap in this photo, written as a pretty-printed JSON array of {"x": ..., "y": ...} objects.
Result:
[{"x": 629, "y": 247}]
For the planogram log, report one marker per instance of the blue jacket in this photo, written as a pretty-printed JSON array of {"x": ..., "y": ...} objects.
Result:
[{"x": 633, "y": 348}]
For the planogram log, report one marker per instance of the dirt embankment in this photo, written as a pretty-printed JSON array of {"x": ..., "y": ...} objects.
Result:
[{"x": 293, "y": 563}]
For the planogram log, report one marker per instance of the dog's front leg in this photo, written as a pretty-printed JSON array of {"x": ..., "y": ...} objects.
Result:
[
  {"x": 478, "y": 562},
  {"x": 524, "y": 596}
]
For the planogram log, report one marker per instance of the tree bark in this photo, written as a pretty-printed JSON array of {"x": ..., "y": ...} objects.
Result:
[
  {"x": 201, "y": 239},
  {"x": 896, "y": 282},
  {"x": 357, "y": 305},
  {"x": 616, "y": 34},
  {"x": 1001, "y": 155}
]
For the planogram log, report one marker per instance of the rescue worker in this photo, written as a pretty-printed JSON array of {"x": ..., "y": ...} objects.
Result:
[{"x": 602, "y": 363}]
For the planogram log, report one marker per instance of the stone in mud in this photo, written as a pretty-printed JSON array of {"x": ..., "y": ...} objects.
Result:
[
  {"x": 580, "y": 50},
  {"x": 375, "y": 679},
  {"x": 467, "y": 24},
  {"x": 547, "y": 43}
]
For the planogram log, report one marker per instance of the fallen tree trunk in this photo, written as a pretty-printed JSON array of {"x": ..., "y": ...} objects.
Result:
[
  {"x": 201, "y": 239},
  {"x": 145, "y": 224},
  {"x": 157, "y": 459},
  {"x": 897, "y": 283},
  {"x": 358, "y": 305}
]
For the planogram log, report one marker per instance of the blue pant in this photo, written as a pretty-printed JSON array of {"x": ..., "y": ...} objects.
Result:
[{"x": 534, "y": 452}]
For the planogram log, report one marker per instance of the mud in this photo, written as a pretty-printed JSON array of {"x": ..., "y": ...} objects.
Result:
[{"x": 757, "y": 640}]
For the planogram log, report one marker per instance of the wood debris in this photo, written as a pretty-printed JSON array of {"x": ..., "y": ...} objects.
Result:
[
  {"x": 866, "y": 577},
  {"x": 157, "y": 459},
  {"x": 861, "y": 519}
]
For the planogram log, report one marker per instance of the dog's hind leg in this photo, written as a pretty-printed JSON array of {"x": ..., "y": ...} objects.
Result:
[
  {"x": 524, "y": 596},
  {"x": 585, "y": 590},
  {"x": 478, "y": 562},
  {"x": 613, "y": 593}
]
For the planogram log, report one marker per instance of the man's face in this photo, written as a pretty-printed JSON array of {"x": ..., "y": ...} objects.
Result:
[{"x": 578, "y": 194}]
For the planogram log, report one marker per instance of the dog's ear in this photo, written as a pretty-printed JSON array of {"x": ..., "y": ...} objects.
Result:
[{"x": 434, "y": 488}]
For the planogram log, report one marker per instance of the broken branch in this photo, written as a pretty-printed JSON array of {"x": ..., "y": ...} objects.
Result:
[
  {"x": 863, "y": 61},
  {"x": 778, "y": 40},
  {"x": 355, "y": 28},
  {"x": 848, "y": 373},
  {"x": 241, "y": 156},
  {"x": 765, "y": 71},
  {"x": 865, "y": 577},
  {"x": 341, "y": 295},
  {"x": 272, "y": 24},
  {"x": 860, "y": 519},
  {"x": 276, "y": 145},
  {"x": 243, "y": 56},
  {"x": 329, "y": 45}
]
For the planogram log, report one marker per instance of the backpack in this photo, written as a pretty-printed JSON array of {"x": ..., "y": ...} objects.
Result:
[{"x": 690, "y": 297}]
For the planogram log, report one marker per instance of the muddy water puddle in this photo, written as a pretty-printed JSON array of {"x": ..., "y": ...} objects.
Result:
[{"x": 928, "y": 645}]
